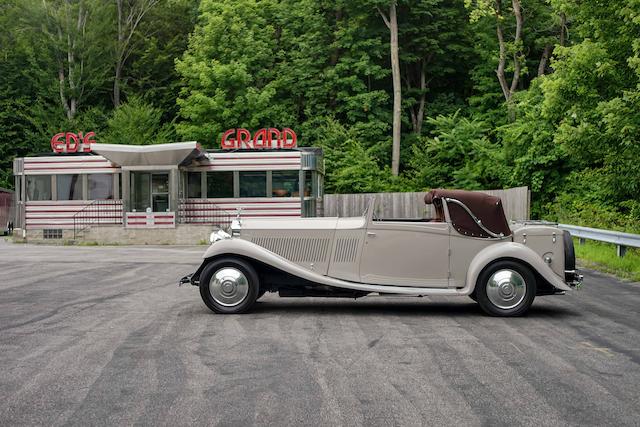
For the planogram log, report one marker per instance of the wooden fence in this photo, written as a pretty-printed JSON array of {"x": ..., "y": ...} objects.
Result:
[{"x": 516, "y": 203}]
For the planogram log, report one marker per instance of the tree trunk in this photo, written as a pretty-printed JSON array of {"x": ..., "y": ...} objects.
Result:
[
  {"x": 542, "y": 66},
  {"x": 509, "y": 90},
  {"x": 127, "y": 26},
  {"x": 116, "y": 86},
  {"x": 502, "y": 58},
  {"x": 392, "y": 23},
  {"x": 397, "y": 90},
  {"x": 335, "y": 55},
  {"x": 516, "y": 55},
  {"x": 61, "y": 83},
  {"x": 119, "y": 55},
  {"x": 423, "y": 97}
]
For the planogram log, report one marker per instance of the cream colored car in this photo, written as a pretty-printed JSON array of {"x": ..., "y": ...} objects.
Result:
[{"x": 468, "y": 249}]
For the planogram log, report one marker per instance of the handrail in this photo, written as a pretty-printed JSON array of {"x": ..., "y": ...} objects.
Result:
[
  {"x": 76, "y": 219},
  {"x": 94, "y": 214},
  {"x": 203, "y": 211},
  {"x": 620, "y": 239}
]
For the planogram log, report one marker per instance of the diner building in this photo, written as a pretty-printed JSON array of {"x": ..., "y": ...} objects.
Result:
[{"x": 165, "y": 193}]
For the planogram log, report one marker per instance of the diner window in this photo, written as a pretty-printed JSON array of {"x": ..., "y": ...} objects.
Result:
[
  {"x": 285, "y": 183},
  {"x": 38, "y": 187},
  {"x": 308, "y": 183},
  {"x": 253, "y": 184},
  {"x": 219, "y": 185},
  {"x": 309, "y": 208},
  {"x": 100, "y": 186},
  {"x": 194, "y": 185},
  {"x": 69, "y": 187}
]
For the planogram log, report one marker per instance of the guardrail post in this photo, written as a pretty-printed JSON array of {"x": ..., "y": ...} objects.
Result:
[
  {"x": 581, "y": 241},
  {"x": 621, "y": 250}
]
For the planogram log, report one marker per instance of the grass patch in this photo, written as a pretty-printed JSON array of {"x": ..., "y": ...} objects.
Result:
[{"x": 602, "y": 256}]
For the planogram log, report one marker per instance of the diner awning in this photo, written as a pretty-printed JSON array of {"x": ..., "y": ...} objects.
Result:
[{"x": 173, "y": 154}]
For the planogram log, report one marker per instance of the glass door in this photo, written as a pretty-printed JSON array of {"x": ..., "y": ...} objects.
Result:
[
  {"x": 160, "y": 192},
  {"x": 150, "y": 190}
]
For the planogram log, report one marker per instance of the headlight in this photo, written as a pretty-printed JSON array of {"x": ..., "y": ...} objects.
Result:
[
  {"x": 218, "y": 235},
  {"x": 235, "y": 227}
]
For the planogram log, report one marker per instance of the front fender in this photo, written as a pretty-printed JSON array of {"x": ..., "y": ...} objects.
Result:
[{"x": 516, "y": 251}]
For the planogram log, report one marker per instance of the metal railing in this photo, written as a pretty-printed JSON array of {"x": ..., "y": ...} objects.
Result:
[
  {"x": 200, "y": 211},
  {"x": 618, "y": 238},
  {"x": 98, "y": 212}
]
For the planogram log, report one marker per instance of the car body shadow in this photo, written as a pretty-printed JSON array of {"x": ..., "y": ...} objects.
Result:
[{"x": 328, "y": 306}]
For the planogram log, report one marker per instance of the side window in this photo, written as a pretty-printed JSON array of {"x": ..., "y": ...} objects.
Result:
[
  {"x": 253, "y": 184},
  {"x": 219, "y": 185},
  {"x": 69, "y": 187},
  {"x": 308, "y": 183},
  {"x": 285, "y": 183},
  {"x": 100, "y": 186},
  {"x": 38, "y": 187},
  {"x": 194, "y": 185}
]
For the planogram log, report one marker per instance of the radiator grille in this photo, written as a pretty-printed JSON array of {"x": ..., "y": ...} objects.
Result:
[
  {"x": 296, "y": 249},
  {"x": 346, "y": 249}
]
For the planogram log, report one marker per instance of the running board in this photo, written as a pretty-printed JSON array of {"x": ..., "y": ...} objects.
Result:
[{"x": 395, "y": 290}]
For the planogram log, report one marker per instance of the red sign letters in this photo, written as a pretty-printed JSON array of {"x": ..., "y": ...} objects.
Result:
[
  {"x": 264, "y": 138},
  {"x": 70, "y": 142}
]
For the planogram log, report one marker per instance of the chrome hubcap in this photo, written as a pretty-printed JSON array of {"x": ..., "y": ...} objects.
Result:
[
  {"x": 506, "y": 289},
  {"x": 228, "y": 286}
]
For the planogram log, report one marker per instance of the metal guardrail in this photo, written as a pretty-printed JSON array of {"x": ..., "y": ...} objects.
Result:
[{"x": 618, "y": 238}]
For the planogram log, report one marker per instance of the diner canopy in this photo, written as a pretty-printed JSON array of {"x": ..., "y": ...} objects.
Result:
[{"x": 173, "y": 154}]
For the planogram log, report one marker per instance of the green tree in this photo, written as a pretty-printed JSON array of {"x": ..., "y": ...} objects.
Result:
[
  {"x": 138, "y": 123},
  {"x": 457, "y": 154}
]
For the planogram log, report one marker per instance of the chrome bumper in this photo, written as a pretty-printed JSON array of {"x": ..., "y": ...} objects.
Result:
[{"x": 573, "y": 278}]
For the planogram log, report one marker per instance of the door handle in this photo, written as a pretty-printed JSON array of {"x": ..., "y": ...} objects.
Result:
[{"x": 371, "y": 234}]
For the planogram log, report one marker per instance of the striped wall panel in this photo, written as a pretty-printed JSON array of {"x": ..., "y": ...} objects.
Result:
[
  {"x": 150, "y": 220},
  {"x": 60, "y": 214},
  {"x": 250, "y": 161},
  {"x": 69, "y": 164}
]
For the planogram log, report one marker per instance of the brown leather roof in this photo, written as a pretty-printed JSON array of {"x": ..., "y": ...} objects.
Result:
[{"x": 488, "y": 209}]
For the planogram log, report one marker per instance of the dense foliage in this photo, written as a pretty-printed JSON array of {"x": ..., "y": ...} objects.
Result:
[{"x": 495, "y": 93}]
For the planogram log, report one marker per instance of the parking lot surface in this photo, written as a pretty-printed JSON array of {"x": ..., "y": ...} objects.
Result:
[{"x": 103, "y": 336}]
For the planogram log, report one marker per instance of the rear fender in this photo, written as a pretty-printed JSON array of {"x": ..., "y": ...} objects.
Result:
[{"x": 518, "y": 252}]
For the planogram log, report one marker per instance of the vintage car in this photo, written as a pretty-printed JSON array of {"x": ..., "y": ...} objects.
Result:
[{"x": 467, "y": 249}]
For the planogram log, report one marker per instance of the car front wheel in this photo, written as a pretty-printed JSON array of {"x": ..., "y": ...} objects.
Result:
[
  {"x": 229, "y": 286},
  {"x": 506, "y": 288}
]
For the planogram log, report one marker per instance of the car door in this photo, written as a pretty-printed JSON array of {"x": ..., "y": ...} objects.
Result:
[{"x": 406, "y": 253}]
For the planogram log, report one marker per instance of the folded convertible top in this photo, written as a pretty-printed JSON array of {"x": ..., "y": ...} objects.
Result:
[{"x": 485, "y": 208}]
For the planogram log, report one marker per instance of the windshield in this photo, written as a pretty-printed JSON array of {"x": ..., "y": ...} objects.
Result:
[{"x": 370, "y": 206}]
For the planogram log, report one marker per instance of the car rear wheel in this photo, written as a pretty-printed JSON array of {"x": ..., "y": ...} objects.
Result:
[
  {"x": 506, "y": 288},
  {"x": 229, "y": 286}
]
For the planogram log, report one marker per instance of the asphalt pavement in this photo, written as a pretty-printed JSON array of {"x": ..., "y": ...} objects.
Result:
[{"x": 103, "y": 336}]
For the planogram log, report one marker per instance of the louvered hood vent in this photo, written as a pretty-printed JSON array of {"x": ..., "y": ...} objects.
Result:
[{"x": 297, "y": 249}]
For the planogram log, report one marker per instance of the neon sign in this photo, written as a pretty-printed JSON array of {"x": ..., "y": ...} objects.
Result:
[
  {"x": 69, "y": 142},
  {"x": 263, "y": 139}
]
